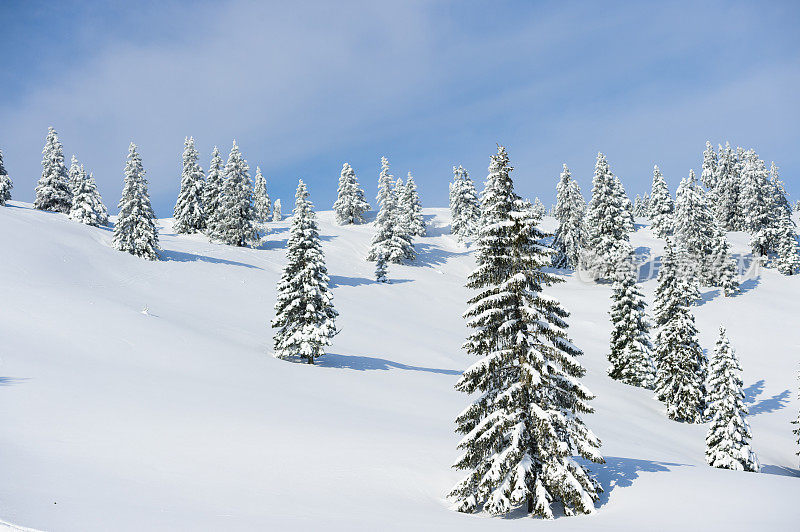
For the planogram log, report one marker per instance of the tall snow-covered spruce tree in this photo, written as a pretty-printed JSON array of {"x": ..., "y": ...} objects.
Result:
[
  {"x": 87, "y": 204},
  {"x": 261, "y": 203},
  {"x": 351, "y": 203},
  {"x": 693, "y": 226},
  {"x": 135, "y": 231},
  {"x": 661, "y": 206},
  {"x": 188, "y": 213},
  {"x": 53, "y": 192},
  {"x": 74, "y": 174},
  {"x": 570, "y": 210},
  {"x": 304, "y": 315},
  {"x": 627, "y": 204},
  {"x": 727, "y": 189},
  {"x": 391, "y": 239},
  {"x": 788, "y": 260},
  {"x": 728, "y": 438},
  {"x": 608, "y": 222},
  {"x": 630, "y": 354},
  {"x": 235, "y": 221},
  {"x": 756, "y": 201},
  {"x": 697, "y": 230},
  {"x": 522, "y": 431},
  {"x": 465, "y": 210},
  {"x": 708, "y": 175},
  {"x": 409, "y": 202},
  {"x": 212, "y": 192},
  {"x": 277, "y": 213},
  {"x": 681, "y": 373},
  {"x": 539, "y": 210},
  {"x": 5, "y": 183}
]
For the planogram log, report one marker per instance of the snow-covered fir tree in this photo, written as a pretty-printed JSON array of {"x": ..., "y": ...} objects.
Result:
[
  {"x": 637, "y": 206},
  {"x": 681, "y": 364},
  {"x": 5, "y": 183},
  {"x": 781, "y": 199},
  {"x": 391, "y": 239},
  {"x": 403, "y": 213},
  {"x": 757, "y": 202},
  {"x": 626, "y": 203},
  {"x": 87, "y": 204},
  {"x": 524, "y": 427},
  {"x": 630, "y": 354},
  {"x": 608, "y": 222},
  {"x": 53, "y": 192},
  {"x": 351, "y": 203},
  {"x": 708, "y": 175},
  {"x": 135, "y": 231},
  {"x": 693, "y": 224},
  {"x": 410, "y": 203},
  {"x": 698, "y": 232},
  {"x": 661, "y": 206},
  {"x": 723, "y": 266},
  {"x": 261, "y": 203},
  {"x": 189, "y": 216},
  {"x": 728, "y": 437},
  {"x": 539, "y": 210},
  {"x": 570, "y": 236},
  {"x": 277, "y": 214},
  {"x": 788, "y": 254},
  {"x": 641, "y": 207},
  {"x": 235, "y": 224},
  {"x": 646, "y": 205},
  {"x": 212, "y": 192},
  {"x": 783, "y": 233},
  {"x": 305, "y": 320},
  {"x": 465, "y": 208},
  {"x": 381, "y": 269},
  {"x": 727, "y": 189},
  {"x": 74, "y": 174}
]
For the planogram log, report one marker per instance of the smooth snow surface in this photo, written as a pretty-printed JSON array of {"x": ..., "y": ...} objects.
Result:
[{"x": 179, "y": 418}]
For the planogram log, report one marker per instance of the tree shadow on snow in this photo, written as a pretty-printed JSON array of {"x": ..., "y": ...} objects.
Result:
[
  {"x": 364, "y": 363},
  {"x": 182, "y": 256},
  {"x": 708, "y": 296},
  {"x": 748, "y": 284},
  {"x": 649, "y": 269},
  {"x": 343, "y": 280},
  {"x": 272, "y": 244},
  {"x": 642, "y": 253},
  {"x": 768, "y": 469},
  {"x": 428, "y": 255},
  {"x": 8, "y": 381},
  {"x": 620, "y": 472},
  {"x": 764, "y": 406}
]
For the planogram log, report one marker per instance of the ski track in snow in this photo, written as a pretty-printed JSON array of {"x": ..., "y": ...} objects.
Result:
[{"x": 180, "y": 419}]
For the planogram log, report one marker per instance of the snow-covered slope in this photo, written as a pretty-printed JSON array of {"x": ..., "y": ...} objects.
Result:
[{"x": 178, "y": 418}]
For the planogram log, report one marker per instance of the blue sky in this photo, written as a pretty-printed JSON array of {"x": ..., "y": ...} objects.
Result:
[{"x": 305, "y": 86}]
